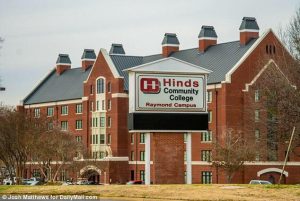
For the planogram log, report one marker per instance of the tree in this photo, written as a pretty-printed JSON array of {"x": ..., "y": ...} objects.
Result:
[
  {"x": 289, "y": 35},
  {"x": 16, "y": 133},
  {"x": 231, "y": 152},
  {"x": 53, "y": 150}
]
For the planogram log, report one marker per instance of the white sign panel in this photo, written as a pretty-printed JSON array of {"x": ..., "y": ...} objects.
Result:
[{"x": 174, "y": 93}]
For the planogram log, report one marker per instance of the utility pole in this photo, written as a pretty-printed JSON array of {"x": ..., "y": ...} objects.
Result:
[{"x": 287, "y": 155}]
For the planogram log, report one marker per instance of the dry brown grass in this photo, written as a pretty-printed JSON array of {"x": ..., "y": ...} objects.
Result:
[{"x": 167, "y": 192}]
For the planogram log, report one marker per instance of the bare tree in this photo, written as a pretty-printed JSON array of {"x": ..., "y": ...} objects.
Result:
[{"x": 231, "y": 152}]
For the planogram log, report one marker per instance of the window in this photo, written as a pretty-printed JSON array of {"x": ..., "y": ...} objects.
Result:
[
  {"x": 206, "y": 155},
  {"x": 142, "y": 138},
  {"x": 64, "y": 125},
  {"x": 97, "y": 105},
  {"x": 109, "y": 87},
  {"x": 102, "y": 139},
  {"x": 256, "y": 96},
  {"x": 142, "y": 156},
  {"x": 78, "y": 138},
  {"x": 142, "y": 175},
  {"x": 132, "y": 138},
  {"x": 109, "y": 104},
  {"x": 185, "y": 137},
  {"x": 64, "y": 110},
  {"x": 100, "y": 86},
  {"x": 63, "y": 175},
  {"x": 257, "y": 135},
  {"x": 206, "y": 177},
  {"x": 109, "y": 122},
  {"x": 50, "y": 111},
  {"x": 209, "y": 96},
  {"x": 95, "y": 154},
  {"x": 257, "y": 116},
  {"x": 132, "y": 156},
  {"x": 78, "y": 124},
  {"x": 50, "y": 126},
  {"x": 78, "y": 108},
  {"x": 91, "y": 89},
  {"x": 102, "y": 154},
  {"x": 185, "y": 177},
  {"x": 37, "y": 112},
  {"x": 209, "y": 116},
  {"x": 102, "y": 121},
  {"x": 257, "y": 156},
  {"x": 91, "y": 106},
  {"x": 206, "y": 136},
  {"x": 95, "y": 122},
  {"x": 36, "y": 173},
  {"x": 108, "y": 138},
  {"x": 103, "y": 105},
  {"x": 96, "y": 139}
]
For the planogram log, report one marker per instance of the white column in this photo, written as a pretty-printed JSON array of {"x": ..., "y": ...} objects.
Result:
[
  {"x": 147, "y": 158},
  {"x": 189, "y": 158}
]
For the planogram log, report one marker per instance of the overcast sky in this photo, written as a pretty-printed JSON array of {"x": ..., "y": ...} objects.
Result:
[{"x": 36, "y": 31}]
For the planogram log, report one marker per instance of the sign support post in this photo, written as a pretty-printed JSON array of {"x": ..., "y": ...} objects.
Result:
[
  {"x": 147, "y": 159},
  {"x": 189, "y": 158}
]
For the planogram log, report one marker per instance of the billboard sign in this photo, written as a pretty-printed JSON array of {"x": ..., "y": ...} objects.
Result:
[{"x": 170, "y": 92}]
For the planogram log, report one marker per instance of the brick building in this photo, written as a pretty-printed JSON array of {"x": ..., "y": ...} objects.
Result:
[{"x": 92, "y": 102}]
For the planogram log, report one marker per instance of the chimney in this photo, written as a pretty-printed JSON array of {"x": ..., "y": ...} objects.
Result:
[
  {"x": 170, "y": 44},
  {"x": 88, "y": 58},
  {"x": 63, "y": 63},
  {"x": 117, "y": 49},
  {"x": 248, "y": 30},
  {"x": 207, "y": 37}
]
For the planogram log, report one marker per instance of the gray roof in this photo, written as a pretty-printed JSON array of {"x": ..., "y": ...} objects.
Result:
[
  {"x": 88, "y": 54},
  {"x": 116, "y": 49},
  {"x": 218, "y": 58},
  {"x": 249, "y": 23},
  {"x": 63, "y": 59},
  {"x": 170, "y": 38},
  {"x": 54, "y": 87},
  {"x": 207, "y": 31}
]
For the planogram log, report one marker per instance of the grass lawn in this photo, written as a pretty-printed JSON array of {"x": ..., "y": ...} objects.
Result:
[{"x": 167, "y": 192}]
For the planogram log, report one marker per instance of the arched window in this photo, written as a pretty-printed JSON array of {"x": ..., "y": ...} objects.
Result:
[{"x": 100, "y": 86}]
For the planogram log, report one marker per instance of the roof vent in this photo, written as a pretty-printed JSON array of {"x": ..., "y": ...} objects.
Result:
[
  {"x": 170, "y": 44},
  {"x": 88, "y": 54},
  {"x": 88, "y": 58},
  {"x": 63, "y": 63},
  {"x": 207, "y": 37},
  {"x": 116, "y": 49},
  {"x": 249, "y": 29}
]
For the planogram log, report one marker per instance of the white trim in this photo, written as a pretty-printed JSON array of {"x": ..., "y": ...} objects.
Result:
[
  {"x": 165, "y": 131},
  {"x": 119, "y": 95},
  {"x": 110, "y": 63},
  {"x": 245, "y": 56},
  {"x": 88, "y": 59},
  {"x": 147, "y": 159},
  {"x": 280, "y": 163},
  {"x": 170, "y": 45},
  {"x": 138, "y": 162},
  {"x": 271, "y": 61},
  {"x": 125, "y": 158},
  {"x": 199, "y": 163},
  {"x": 272, "y": 170},
  {"x": 52, "y": 162},
  {"x": 53, "y": 103},
  {"x": 249, "y": 30},
  {"x": 213, "y": 86},
  {"x": 63, "y": 64},
  {"x": 85, "y": 98},
  {"x": 207, "y": 38}
]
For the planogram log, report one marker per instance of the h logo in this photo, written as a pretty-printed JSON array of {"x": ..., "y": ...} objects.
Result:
[{"x": 150, "y": 85}]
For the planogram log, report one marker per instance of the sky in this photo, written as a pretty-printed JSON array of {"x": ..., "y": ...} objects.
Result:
[{"x": 36, "y": 31}]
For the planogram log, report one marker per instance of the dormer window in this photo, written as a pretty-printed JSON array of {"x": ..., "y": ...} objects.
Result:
[{"x": 100, "y": 86}]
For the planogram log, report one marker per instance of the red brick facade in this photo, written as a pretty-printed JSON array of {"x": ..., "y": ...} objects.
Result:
[{"x": 227, "y": 106}]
